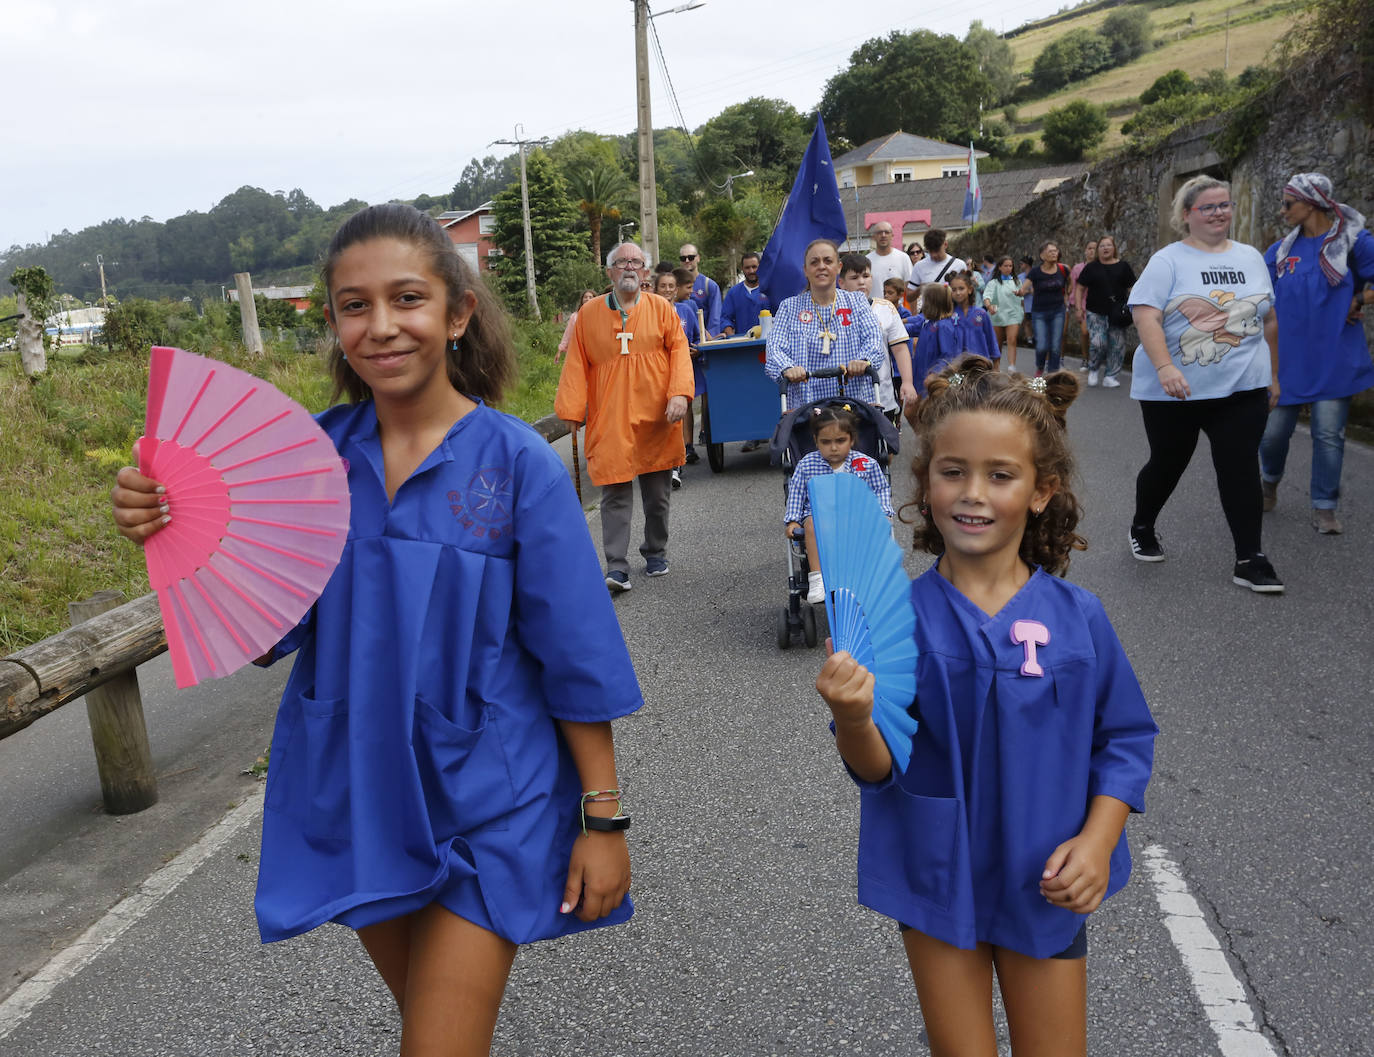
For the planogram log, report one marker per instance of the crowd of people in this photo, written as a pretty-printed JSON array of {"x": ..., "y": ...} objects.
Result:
[
  {"x": 1208, "y": 359},
  {"x": 443, "y": 773}
]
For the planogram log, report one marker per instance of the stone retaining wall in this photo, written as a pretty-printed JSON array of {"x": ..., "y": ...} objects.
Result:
[{"x": 1313, "y": 124}]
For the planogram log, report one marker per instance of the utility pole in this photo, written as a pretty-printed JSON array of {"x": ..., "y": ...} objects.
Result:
[
  {"x": 104, "y": 300},
  {"x": 648, "y": 192},
  {"x": 1226, "y": 62},
  {"x": 520, "y": 142}
]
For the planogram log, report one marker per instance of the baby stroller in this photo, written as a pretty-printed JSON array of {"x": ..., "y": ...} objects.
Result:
[{"x": 791, "y": 441}]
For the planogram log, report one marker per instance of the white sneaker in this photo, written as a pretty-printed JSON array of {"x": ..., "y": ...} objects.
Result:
[
  {"x": 1092, "y": 377},
  {"x": 815, "y": 588},
  {"x": 1011, "y": 368},
  {"x": 1110, "y": 383}
]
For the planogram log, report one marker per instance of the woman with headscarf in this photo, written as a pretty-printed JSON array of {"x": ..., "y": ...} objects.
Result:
[{"x": 1323, "y": 359}]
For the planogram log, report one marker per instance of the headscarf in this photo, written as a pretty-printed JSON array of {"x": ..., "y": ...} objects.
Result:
[{"x": 1346, "y": 224}]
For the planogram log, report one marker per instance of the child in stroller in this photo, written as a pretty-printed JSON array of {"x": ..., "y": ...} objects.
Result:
[{"x": 833, "y": 435}]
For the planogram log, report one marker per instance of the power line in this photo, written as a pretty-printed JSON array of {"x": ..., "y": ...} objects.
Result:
[{"x": 677, "y": 107}]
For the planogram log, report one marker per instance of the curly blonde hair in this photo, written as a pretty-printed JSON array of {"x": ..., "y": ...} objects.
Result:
[{"x": 1050, "y": 537}]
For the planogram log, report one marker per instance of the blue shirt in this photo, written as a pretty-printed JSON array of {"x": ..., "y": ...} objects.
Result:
[
  {"x": 813, "y": 464},
  {"x": 976, "y": 333},
  {"x": 687, "y": 312},
  {"x": 1321, "y": 356},
  {"x": 1214, "y": 306},
  {"x": 796, "y": 340},
  {"x": 416, "y": 757},
  {"x": 938, "y": 342},
  {"x": 1003, "y": 766},
  {"x": 706, "y": 296},
  {"x": 742, "y": 306}
]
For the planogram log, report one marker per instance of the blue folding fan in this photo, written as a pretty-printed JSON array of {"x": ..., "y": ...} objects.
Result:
[{"x": 868, "y": 599}]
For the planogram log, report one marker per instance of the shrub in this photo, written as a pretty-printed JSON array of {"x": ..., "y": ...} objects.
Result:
[
  {"x": 1077, "y": 54},
  {"x": 1073, "y": 128},
  {"x": 1127, "y": 32},
  {"x": 1173, "y": 83}
]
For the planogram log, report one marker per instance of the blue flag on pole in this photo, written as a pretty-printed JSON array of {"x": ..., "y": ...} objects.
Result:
[
  {"x": 813, "y": 211},
  {"x": 973, "y": 194}
]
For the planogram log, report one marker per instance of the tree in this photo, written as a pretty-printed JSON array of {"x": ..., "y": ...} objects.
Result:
[
  {"x": 995, "y": 60},
  {"x": 601, "y": 190},
  {"x": 1127, "y": 32},
  {"x": 921, "y": 82},
  {"x": 553, "y": 218},
  {"x": 768, "y": 136},
  {"x": 1175, "y": 82},
  {"x": 1077, "y": 54},
  {"x": 35, "y": 291},
  {"x": 1073, "y": 128},
  {"x": 482, "y": 179}
]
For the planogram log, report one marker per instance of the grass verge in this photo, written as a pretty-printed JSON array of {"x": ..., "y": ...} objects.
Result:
[{"x": 63, "y": 436}]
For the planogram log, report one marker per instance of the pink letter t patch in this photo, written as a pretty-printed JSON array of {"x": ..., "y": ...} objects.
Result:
[{"x": 1030, "y": 634}]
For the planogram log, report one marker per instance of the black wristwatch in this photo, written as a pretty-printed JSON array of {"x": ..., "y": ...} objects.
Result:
[{"x": 606, "y": 825}]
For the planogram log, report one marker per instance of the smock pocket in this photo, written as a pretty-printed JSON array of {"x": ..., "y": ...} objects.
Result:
[
  {"x": 464, "y": 777},
  {"x": 322, "y": 730},
  {"x": 914, "y": 844}
]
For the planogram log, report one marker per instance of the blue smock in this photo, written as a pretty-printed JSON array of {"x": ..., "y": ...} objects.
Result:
[
  {"x": 416, "y": 756},
  {"x": 938, "y": 342},
  {"x": 1003, "y": 767},
  {"x": 976, "y": 333},
  {"x": 741, "y": 307},
  {"x": 1321, "y": 356}
]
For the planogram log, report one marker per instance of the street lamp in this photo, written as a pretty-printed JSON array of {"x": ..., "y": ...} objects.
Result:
[
  {"x": 648, "y": 193},
  {"x": 730, "y": 182},
  {"x": 620, "y": 232},
  {"x": 680, "y": 7}
]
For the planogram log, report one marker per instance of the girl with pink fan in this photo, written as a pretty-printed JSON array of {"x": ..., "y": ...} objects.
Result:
[
  {"x": 1005, "y": 828},
  {"x": 443, "y": 775}
]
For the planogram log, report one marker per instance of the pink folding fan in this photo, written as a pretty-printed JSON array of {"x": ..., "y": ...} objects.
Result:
[{"x": 259, "y": 507}]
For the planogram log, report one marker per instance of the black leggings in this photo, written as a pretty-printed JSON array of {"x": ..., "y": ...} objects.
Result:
[{"x": 1234, "y": 425}]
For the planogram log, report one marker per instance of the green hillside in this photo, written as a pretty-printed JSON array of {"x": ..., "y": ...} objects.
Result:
[{"x": 1190, "y": 36}]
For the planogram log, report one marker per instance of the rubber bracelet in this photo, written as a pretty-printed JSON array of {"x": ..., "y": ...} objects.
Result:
[{"x": 605, "y": 825}]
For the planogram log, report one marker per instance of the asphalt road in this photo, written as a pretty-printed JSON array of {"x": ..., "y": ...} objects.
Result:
[{"x": 747, "y": 939}]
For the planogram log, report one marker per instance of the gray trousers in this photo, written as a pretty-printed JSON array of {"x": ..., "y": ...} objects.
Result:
[{"x": 617, "y": 500}]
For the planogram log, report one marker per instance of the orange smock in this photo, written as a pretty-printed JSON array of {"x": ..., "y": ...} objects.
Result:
[{"x": 623, "y": 396}]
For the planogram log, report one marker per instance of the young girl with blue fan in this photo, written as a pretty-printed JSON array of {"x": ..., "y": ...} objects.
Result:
[
  {"x": 443, "y": 775},
  {"x": 835, "y": 429},
  {"x": 1005, "y": 828}
]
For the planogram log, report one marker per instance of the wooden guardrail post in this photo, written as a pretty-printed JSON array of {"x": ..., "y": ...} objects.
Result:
[{"x": 118, "y": 731}]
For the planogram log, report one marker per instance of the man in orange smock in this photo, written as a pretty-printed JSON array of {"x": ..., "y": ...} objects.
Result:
[{"x": 628, "y": 375}]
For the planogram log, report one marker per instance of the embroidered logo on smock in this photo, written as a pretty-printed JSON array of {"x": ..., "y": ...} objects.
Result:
[
  {"x": 860, "y": 464},
  {"x": 844, "y": 314},
  {"x": 485, "y": 508}
]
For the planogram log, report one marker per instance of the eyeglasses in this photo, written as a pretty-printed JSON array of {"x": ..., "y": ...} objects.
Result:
[
  {"x": 1214, "y": 208},
  {"x": 629, "y": 265},
  {"x": 684, "y": 258}
]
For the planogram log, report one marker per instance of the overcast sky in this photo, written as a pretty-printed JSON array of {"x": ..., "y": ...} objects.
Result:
[{"x": 131, "y": 108}]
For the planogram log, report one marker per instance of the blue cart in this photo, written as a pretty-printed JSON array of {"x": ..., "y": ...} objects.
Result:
[{"x": 741, "y": 403}]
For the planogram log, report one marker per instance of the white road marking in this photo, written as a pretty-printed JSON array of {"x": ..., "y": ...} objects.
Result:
[
  {"x": 1221, "y": 994},
  {"x": 124, "y": 914}
]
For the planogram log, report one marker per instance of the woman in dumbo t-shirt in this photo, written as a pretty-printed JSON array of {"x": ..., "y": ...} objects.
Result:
[{"x": 1207, "y": 363}]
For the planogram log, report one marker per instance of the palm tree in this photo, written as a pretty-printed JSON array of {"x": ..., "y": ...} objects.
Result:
[{"x": 601, "y": 189}]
